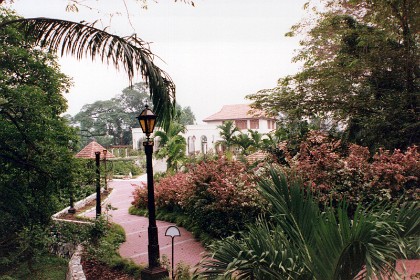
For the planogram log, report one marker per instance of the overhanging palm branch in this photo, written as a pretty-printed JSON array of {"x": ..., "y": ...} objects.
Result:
[{"x": 84, "y": 40}]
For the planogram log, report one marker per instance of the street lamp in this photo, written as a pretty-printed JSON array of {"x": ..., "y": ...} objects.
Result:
[
  {"x": 98, "y": 184},
  {"x": 105, "y": 153},
  {"x": 147, "y": 120}
]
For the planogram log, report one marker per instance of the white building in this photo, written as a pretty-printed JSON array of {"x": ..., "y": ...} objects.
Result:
[{"x": 202, "y": 138}]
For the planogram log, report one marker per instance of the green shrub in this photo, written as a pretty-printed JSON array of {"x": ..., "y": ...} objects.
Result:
[
  {"x": 124, "y": 167},
  {"x": 218, "y": 196},
  {"x": 105, "y": 248}
]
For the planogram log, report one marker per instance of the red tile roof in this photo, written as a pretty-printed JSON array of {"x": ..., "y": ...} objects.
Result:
[
  {"x": 235, "y": 112},
  {"x": 91, "y": 148}
]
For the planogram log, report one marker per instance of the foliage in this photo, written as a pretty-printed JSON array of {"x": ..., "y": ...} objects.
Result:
[
  {"x": 227, "y": 132},
  {"x": 218, "y": 195},
  {"x": 107, "y": 238},
  {"x": 83, "y": 185},
  {"x": 186, "y": 116},
  {"x": 67, "y": 234},
  {"x": 337, "y": 171},
  {"x": 100, "y": 238},
  {"x": 303, "y": 242},
  {"x": 360, "y": 73},
  {"x": 182, "y": 270},
  {"x": 172, "y": 146},
  {"x": 110, "y": 121},
  {"x": 35, "y": 158},
  {"x": 124, "y": 167},
  {"x": 47, "y": 267}
]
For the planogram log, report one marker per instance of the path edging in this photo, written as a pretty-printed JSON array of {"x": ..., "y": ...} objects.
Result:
[{"x": 75, "y": 268}]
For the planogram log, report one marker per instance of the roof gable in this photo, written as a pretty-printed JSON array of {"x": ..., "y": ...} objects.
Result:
[{"x": 90, "y": 149}]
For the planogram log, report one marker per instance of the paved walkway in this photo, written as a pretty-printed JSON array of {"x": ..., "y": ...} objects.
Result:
[{"x": 187, "y": 249}]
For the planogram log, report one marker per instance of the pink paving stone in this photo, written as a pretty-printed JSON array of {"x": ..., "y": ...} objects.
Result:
[{"x": 187, "y": 249}]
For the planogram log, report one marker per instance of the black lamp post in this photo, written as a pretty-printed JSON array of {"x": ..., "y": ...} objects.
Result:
[
  {"x": 105, "y": 152},
  {"x": 147, "y": 122},
  {"x": 98, "y": 184}
]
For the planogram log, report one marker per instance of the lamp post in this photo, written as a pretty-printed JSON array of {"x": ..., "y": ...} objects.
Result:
[
  {"x": 105, "y": 171},
  {"x": 147, "y": 122},
  {"x": 98, "y": 185}
]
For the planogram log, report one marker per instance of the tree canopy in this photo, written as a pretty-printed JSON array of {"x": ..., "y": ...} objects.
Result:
[
  {"x": 35, "y": 158},
  {"x": 110, "y": 121},
  {"x": 360, "y": 71}
]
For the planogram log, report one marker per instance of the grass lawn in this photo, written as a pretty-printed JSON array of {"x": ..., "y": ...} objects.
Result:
[{"x": 46, "y": 268}]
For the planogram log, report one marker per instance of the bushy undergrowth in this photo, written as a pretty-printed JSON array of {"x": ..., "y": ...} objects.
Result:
[
  {"x": 105, "y": 240},
  {"x": 124, "y": 167},
  {"x": 101, "y": 240},
  {"x": 339, "y": 172},
  {"x": 218, "y": 195},
  {"x": 301, "y": 241}
]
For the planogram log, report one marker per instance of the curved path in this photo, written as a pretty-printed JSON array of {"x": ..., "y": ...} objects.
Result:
[{"x": 187, "y": 249}]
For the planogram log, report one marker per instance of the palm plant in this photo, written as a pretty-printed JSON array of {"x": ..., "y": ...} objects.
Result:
[
  {"x": 84, "y": 40},
  {"x": 243, "y": 141},
  {"x": 302, "y": 242},
  {"x": 227, "y": 132},
  {"x": 257, "y": 140},
  {"x": 172, "y": 145}
]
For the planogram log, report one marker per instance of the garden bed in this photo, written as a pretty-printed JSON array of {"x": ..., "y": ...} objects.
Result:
[
  {"x": 94, "y": 270},
  {"x": 81, "y": 207}
]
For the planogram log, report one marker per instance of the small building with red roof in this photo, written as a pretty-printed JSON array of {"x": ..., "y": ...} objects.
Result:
[{"x": 89, "y": 150}]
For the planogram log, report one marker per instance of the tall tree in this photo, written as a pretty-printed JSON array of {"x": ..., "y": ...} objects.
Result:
[
  {"x": 133, "y": 100},
  {"x": 35, "y": 159},
  {"x": 104, "y": 120},
  {"x": 186, "y": 116},
  {"x": 110, "y": 121},
  {"x": 361, "y": 70}
]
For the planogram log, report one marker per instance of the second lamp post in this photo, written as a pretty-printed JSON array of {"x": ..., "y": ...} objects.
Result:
[{"x": 147, "y": 122}]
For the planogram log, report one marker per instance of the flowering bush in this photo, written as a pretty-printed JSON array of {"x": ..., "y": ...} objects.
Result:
[
  {"x": 140, "y": 196},
  {"x": 219, "y": 195},
  {"x": 338, "y": 172},
  {"x": 222, "y": 196}
]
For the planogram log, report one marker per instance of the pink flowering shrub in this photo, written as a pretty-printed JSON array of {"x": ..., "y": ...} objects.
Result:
[
  {"x": 168, "y": 192},
  {"x": 223, "y": 196},
  {"x": 140, "y": 196},
  {"x": 338, "y": 172},
  {"x": 220, "y": 196},
  {"x": 396, "y": 172}
]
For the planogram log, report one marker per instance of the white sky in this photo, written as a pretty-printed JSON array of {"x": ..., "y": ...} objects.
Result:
[{"x": 216, "y": 52}]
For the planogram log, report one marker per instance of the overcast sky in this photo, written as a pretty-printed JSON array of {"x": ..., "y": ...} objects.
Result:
[{"x": 216, "y": 52}]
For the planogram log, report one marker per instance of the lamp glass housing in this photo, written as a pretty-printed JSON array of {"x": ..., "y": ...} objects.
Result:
[{"x": 147, "y": 120}]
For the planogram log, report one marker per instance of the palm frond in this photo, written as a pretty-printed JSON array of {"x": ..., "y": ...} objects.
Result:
[
  {"x": 302, "y": 242},
  {"x": 263, "y": 252},
  {"x": 84, "y": 40}
]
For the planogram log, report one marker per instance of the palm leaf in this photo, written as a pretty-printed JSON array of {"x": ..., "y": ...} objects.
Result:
[
  {"x": 303, "y": 242},
  {"x": 84, "y": 40}
]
